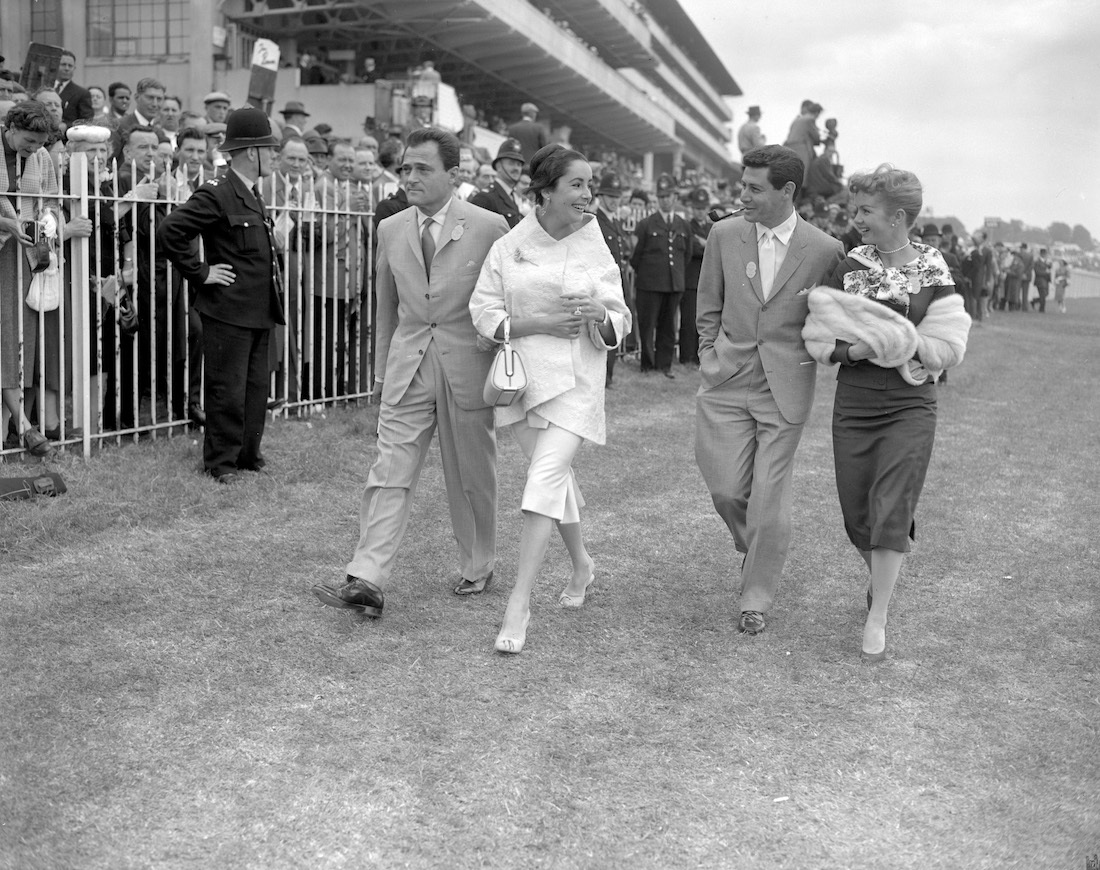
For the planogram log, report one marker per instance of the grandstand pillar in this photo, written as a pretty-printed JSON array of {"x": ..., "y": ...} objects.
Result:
[
  {"x": 647, "y": 167},
  {"x": 200, "y": 70}
]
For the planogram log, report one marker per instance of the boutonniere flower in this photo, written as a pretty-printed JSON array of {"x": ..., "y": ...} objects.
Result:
[
  {"x": 457, "y": 232},
  {"x": 521, "y": 256}
]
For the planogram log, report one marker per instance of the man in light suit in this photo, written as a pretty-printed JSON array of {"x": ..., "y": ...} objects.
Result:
[
  {"x": 430, "y": 372},
  {"x": 757, "y": 378}
]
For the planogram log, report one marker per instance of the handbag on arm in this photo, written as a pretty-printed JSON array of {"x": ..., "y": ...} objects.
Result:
[{"x": 507, "y": 377}]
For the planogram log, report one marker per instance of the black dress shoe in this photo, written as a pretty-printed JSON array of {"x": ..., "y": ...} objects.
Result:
[
  {"x": 355, "y": 594},
  {"x": 473, "y": 587},
  {"x": 668, "y": 374},
  {"x": 196, "y": 414},
  {"x": 751, "y": 622},
  {"x": 229, "y": 478}
]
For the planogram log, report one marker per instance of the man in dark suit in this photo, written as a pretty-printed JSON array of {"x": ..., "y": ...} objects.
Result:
[
  {"x": 757, "y": 376},
  {"x": 530, "y": 133},
  {"x": 76, "y": 102},
  {"x": 700, "y": 228},
  {"x": 660, "y": 263},
  {"x": 239, "y": 292},
  {"x": 147, "y": 102},
  {"x": 609, "y": 195},
  {"x": 501, "y": 194}
]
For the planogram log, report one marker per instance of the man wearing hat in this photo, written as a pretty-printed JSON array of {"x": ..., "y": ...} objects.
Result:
[
  {"x": 294, "y": 119},
  {"x": 749, "y": 136},
  {"x": 530, "y": 133},
  {"x": 700, "y": 228},
  {"x": 501, "y": 194},
  {"x": 217, "y": 107},
  {"x": 660, "y": 261},
  {"x": 421, "y": 113},
  {"x": 239, "y": 292},
  {"x": 609, "y": 195}
]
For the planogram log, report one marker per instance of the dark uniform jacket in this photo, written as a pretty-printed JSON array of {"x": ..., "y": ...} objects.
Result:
[
  {"x": 695, "y": 264},
  {"x": 661, "y": 256},
  {"x": 615, "y": 238},
  {"x": 531, "y": 135},
  {"x": 497, "y": 199},
  {"x": 236, "y": 232}
]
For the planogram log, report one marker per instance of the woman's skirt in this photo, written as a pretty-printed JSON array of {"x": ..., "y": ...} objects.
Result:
[
  {"x": 13, "y": 304},
  {"x": 882, "y": 443}
]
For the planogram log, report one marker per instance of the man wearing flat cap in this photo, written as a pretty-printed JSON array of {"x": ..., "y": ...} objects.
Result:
[
  {"x": 501, "y": 194},
  {"x": 660, "y": 261},
  {"x": 530, "y": 133},
  {"x": 239, "y": 292},
  {"x": 295, "y": 118},
  {"x": 217, "y": 107}
]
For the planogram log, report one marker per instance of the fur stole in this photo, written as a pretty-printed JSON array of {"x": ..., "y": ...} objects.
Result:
[{"x": 917, "y": 351}]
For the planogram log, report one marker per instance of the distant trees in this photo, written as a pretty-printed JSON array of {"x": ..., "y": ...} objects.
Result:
[{"x": 1081, "y": 237}]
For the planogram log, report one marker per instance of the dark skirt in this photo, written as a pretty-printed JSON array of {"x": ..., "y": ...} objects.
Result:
[
  {"x": 882, "y": 442},
  {"x": 13, "y": 305}
]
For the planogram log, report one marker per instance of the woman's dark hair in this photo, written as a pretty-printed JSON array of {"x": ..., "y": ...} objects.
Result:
[
  {"x": 548, "y": 165},
  {"x": 31, "y": 116}
]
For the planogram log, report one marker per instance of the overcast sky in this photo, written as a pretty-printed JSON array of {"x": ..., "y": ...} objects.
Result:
[{"x": 994, "y": 104}]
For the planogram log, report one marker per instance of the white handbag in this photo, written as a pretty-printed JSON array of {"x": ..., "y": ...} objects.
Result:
[
  {"x": 44, "y": 293},
  {"x": 507, "y": 377}
]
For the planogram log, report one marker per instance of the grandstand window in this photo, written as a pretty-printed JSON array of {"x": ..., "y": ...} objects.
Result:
[
  {"x": 46, "y": 21},
  {"x": 137, "y": 28}
]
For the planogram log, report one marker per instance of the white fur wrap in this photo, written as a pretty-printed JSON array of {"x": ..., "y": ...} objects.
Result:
[{"x": 917, "y": 352}]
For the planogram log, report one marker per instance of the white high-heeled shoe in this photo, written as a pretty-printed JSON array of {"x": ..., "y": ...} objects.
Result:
[
  {"x": 514, "y": 644},
  {"x": 567, "y": 600}
]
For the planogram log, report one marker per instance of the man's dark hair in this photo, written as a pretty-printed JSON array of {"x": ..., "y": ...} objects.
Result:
[
  {"x": 290, "y": 139},
  {"x": 115, "y": 87},
  {"x": 446, "y": 142},
  {"x": 193, "y": 133},
  {"x": 67, "y": 53},
  {"x": 150, "y": 84},
  {"x": 783, "y": 165},
  {"x": 141, "y": 128},
  {"x": 389, "y": 152},
  {"x": 337, "y": 142}
]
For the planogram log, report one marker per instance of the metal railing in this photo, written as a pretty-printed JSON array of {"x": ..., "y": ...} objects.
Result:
[{"x": 84, "y": 370}]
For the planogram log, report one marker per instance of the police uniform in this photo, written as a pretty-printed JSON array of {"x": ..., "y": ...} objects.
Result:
[
  {"x": 689, "y": 333},
  {"x": 616, "y": 239},
  {"x": 660, "y": 266},
  {"x": 237, "y": 319},
  {"x": 495, "y": 198}
]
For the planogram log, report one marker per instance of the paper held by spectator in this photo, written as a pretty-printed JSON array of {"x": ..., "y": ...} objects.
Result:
[{"x": 108, "y": 290}]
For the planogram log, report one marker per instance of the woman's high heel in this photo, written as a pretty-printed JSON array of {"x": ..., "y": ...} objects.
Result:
[
  {"x": 513, "y": 644},
  {"x": 567, "y": 600},
  {"x": 875, "y": 658}
]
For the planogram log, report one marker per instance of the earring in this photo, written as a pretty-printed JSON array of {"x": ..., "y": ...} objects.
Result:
[
  {"x": 540, "y": 210},
  {"x": 894, "y": 224}
]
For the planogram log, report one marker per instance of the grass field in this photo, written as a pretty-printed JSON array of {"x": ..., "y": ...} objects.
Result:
[{"x": 172, "y": 696}]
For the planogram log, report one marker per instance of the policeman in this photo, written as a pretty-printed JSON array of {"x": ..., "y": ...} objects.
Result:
[
  {"x": 500, "y": 196},
  {"x": 609, "y": 196},
  {"x": 239, "y": 292},
  {"x": 660, "y": 263},
  {"x": 700, "y": 228}
]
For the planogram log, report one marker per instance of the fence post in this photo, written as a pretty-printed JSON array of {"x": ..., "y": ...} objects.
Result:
[{"x": 80, "y": 277}]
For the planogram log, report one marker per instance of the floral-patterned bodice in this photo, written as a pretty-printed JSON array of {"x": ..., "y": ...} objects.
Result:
[{"x": 893, "y": 285}]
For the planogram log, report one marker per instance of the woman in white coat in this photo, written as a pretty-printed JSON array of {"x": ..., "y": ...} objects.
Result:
[{"x": 555, "y": 280}]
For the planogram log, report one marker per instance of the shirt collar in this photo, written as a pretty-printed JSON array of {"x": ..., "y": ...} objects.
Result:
[
  {"x": 783, "y": 231},
  {"x": 440, "y": 216}
]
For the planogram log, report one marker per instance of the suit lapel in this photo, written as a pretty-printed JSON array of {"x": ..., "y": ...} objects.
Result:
[
  {"x": 411, "y": 233},
  {"x": 795, "y": 253},
  {"x": 750, "y": 254},
  {"x": 455, "y": 217}
]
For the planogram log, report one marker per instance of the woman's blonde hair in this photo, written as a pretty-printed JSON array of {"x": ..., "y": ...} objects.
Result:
[{"x": 898, "y": 188}]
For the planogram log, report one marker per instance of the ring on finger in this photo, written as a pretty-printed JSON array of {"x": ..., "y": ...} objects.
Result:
[{"x": 577, "y": 311}]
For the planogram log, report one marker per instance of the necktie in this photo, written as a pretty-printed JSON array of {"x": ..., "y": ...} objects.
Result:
[
  {"x": 767, "y": 262},
  {"x": 427, "y": 245}
]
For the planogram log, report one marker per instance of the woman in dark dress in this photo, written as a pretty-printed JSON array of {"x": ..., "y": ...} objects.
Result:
[{"x": 891, "y": 318}]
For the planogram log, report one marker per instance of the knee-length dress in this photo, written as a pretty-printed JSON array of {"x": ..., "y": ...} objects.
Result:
[{"x": 884, "y": 420}]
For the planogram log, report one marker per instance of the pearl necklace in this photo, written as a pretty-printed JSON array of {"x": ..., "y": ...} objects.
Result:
[{"x": 902, "y": 248}]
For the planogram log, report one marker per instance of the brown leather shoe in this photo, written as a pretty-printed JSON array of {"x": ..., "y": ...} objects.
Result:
[
  {"x": 751, "y": 622},
  {"x": 355, "y": 594}
]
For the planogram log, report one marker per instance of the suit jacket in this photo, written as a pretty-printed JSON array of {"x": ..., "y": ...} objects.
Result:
[
  {"x": 235, "y": 231},
  {"x": 615, "y": 238},
  {"x": 412, "y": 313},
  {"x": 76, "y": 104},
  {"x": 661, "y": 256},
  {"x": 736, "y": 324},
  {"x": 531, "y": 135},
  {"x": 699, "y": 230},
  {"x": 497, "y": 199}
]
